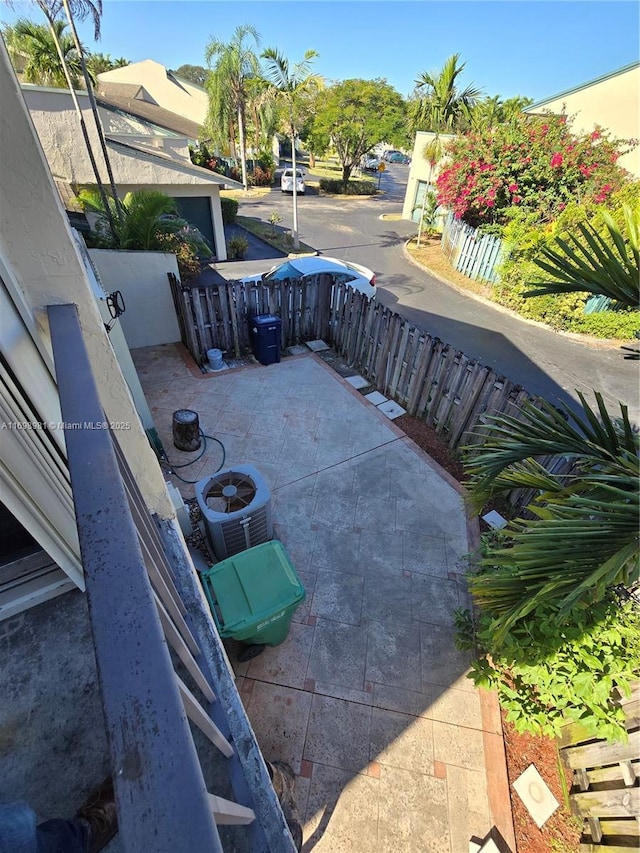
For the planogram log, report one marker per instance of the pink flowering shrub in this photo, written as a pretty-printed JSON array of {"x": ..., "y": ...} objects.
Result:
[{"x": 534, "y": 163}]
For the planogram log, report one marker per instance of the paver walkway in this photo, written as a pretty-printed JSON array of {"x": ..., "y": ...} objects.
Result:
[{"x": 367, "y": 698}]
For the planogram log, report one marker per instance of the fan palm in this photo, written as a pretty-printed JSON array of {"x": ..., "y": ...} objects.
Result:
[
  {"x": 290, "y": 84},
  {"x": 583, "y": 538},
  {"x": 440, "y": 106},
  {"x": 590, "y": 263},
  {"x": 236, "y": 65}
]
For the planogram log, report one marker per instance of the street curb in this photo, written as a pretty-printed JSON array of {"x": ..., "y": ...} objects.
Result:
[{"x": 595, "y": 343}]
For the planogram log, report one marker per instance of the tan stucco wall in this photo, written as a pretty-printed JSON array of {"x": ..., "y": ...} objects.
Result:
[
  {"x": 420, "y": 169},
  {"x": 178, "y": 97},
  {"x": 150, "y": 315},
  {"x": 613, "y": 103},
  {"x": 42, "y": 267}
]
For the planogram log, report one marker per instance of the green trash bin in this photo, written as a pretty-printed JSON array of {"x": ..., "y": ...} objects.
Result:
[{"x": 253, "y": 596}]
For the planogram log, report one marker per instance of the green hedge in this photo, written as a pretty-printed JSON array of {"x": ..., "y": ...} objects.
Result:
[
  {"x": 229, "y": 210},
  {"x": 336, "y": 187}
]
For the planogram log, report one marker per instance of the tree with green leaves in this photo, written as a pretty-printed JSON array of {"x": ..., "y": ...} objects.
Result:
[
  {"x": 233, "y": 65},
  {"x": 440, "y": 105},
  {"x": 97, "y": 63},
  {"x": 193, "y": 73},
  {"x": 491, "y": 111},
  {"x": 33, "y": 52},
  {"x": 290, "y": 86},
  {"x": 355, "y": 115},
  {"x": 582, "y": 538}
]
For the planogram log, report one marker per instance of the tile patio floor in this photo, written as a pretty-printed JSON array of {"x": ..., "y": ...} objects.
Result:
[{"x": 367, "y": 698}]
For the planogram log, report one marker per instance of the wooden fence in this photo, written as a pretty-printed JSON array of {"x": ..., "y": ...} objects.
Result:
[
  {"x": 472, "y": 253},
  {"x": 605, "y": 790},
  {"x": 428, "y": 377}
]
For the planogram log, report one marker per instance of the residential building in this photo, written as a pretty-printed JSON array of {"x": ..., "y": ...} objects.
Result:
[
  {"x": 423, "y": 173},
  {"x": 142, "y": 155},
  {"x": 91, "y": 690},
  {"x": 611, "y": 102}
]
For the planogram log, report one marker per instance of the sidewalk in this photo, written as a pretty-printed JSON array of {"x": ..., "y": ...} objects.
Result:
[{"x": 367, "y": 699}]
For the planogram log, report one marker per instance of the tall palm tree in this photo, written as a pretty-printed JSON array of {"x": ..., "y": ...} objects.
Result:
[
  {"x": 235, "y": 65},
  {"x": 32, "y": 48},
  {"x": 583, "y": 537},
  {"x": 440, "y": 106},
  {"x": 290, "y": 84}
]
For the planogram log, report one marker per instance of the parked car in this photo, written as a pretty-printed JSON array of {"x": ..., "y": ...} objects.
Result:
[
  {"x": 342, "y": 272},
  {"x": 286, "y": 181},
  {"x": 398, "y": 157},
  {"x": 370, "y": 164},
  {"x": 389, "y": 154}
]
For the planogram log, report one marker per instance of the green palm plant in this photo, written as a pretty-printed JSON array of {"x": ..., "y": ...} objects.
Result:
[
  {"x": 235, "y": 66},
  {"x": 440, "y": 106},
  {"x": 148, "y": 221},
  {"x": 32, "y": 48},
  {"x": 593, "y": 264},
  {"x": 291, "y": 85},
  {"x": 583, "y": 538}
]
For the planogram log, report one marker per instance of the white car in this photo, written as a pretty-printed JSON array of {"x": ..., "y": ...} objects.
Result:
[
  {"x": 286, "y": 181},
  {"x": 342, "y": 272},
  {"x": 370, "y": 164}
]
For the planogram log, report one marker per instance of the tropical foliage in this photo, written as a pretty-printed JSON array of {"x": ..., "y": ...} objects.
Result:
[
  {"x": 550, "y": 670},
  {"x": 97, "y": 63},
  {"x": 148, "y": 221},
  {"x": 32, "y": 49},
  {"x": 193, "y": 73},
  {"x": 439, "y": 104},
  {"x": 354, "y": 115},
  {"x": 526, "y": 240},
  {"x": 582, "y": 538},
  {"x": 533, "y": 163},
  {"x": 234, "y": 67}
]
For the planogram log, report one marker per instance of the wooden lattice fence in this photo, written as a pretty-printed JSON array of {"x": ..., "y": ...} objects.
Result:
[{"x": 605, "y": 792}]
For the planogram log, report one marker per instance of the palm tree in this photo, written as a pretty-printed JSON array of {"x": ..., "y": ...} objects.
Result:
[
  {"x": 440, "y": 107},
  {"x": 236, "y": 65},
  {"x": 290, "y": 84},
  {"x": 592, "y": 264},
  {"x": 33, "y": 50},
  {"x": 583, "y": 538}
]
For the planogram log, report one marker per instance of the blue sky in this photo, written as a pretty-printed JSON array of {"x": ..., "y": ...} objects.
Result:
[{"x": 510, "y": 48}]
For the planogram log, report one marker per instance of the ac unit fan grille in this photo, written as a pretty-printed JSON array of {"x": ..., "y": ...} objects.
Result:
[{"x": 232, "y": 493}]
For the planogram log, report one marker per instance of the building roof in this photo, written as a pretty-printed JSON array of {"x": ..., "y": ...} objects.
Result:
[
  {"x": 624, "y": 70},
  {"x": 178, "y": 165},
  {"x": 134, "y": 99}
]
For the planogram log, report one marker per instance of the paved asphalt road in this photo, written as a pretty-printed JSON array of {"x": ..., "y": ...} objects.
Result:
[{"x": 543, "y": 361}]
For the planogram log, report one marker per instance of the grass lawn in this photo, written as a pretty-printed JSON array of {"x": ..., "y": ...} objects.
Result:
[
  {"x": 273, "y": 235},
  {"x": 252, "y": 192}
]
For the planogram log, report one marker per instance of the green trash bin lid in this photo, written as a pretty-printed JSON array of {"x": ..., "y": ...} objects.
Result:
[{"x": 250, "y": 587}]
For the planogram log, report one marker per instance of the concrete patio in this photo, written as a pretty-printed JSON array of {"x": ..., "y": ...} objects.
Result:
[{"x": 394, "y": 749}]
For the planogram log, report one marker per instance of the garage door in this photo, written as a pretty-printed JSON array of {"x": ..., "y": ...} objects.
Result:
[{"x": 197, "y": 211}]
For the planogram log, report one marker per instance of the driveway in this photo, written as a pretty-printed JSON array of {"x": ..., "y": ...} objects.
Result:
[
  {"x": 367, "y": 699},
  {"x": 547, "y": 363}
]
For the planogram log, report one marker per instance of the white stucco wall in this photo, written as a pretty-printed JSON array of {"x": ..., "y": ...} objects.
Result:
[
  {"x": 150, "y": 316},
  {"x": 179, "y": 97},
  {"x": 41, "y": 266},
  {"x": 612, "y": 103},
  {"x": 420, "y": 169}
]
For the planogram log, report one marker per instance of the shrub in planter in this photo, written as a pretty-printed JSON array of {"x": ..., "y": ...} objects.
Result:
[
  {"x": 229, "y": 210},
  {"x": 237, "y": 247}
]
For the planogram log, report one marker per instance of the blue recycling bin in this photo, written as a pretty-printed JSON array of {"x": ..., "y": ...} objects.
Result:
[{"x": 266, "y": 337}]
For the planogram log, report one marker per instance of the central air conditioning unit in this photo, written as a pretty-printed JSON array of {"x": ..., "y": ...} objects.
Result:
[{"x": 236, "y": 510}]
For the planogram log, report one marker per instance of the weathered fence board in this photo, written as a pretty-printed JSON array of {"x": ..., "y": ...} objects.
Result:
[{"x": 469, "y": 251}]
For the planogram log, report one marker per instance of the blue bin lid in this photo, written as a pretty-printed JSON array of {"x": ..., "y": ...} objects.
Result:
[{"x": 265, "y": 319}]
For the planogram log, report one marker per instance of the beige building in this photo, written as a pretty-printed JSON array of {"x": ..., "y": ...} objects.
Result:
[
  {"x": 611, "y": 102},
  {"x": 142, "y": 155},
  {"x": 156, "y": 85},
  {"x": 422, "y": 174}
]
